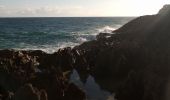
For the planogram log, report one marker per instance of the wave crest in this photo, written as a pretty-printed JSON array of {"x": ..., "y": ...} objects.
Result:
[{"x": 106, "y": 29}]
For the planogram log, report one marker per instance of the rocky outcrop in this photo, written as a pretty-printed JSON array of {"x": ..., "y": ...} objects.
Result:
[
  {"x": 165, "y": 10},
  {"x": 134, "y": 62},
  {"x": 45, "y": 75}
]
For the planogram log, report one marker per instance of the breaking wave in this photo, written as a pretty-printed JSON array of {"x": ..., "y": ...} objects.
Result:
[
  {"x": 106, "y": 29},
  {"x": 75, "y": 38}
]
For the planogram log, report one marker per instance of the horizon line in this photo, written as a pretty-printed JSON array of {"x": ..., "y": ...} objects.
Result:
[{"x": 61, "y": 16}]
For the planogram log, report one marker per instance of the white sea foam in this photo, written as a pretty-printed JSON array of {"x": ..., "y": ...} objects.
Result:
[
  {"x": 81, "y": 40},
  {"x": 86, "y": 36},
  {"x": 47, "y": 48},
  {"x": 106, "y": 29},
  {"x": 78, "y": 38}
]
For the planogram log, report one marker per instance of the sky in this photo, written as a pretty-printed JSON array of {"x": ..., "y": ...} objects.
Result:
[{"x": 79, "y": 8}]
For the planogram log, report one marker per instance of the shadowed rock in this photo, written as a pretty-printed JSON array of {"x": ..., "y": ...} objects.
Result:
[
  {"x": 47, "y": 72},
  {"x": 28, "y": 92},
  {"x": 134, "y": 62},
  {"x": 164, "y": 10}
]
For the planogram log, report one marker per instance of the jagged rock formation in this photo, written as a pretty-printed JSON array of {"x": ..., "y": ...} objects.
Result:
[{"x": 47, "y": 72}]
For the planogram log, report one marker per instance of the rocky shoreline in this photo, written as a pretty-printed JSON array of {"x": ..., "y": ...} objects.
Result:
[
  {"x": 133, "y": 64},
  {"x": 37, "y": 75}
]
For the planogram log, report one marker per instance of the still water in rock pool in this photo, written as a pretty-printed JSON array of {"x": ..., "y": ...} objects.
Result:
[{"x": 91, "y": 88}]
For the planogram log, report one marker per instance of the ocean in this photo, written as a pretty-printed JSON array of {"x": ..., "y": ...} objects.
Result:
[{"x": 50, "y": 34}]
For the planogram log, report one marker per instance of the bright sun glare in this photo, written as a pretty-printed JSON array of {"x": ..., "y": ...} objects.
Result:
[{"x": 136, "y": 7}]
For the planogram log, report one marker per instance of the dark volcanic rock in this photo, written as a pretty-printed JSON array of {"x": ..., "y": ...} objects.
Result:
[
  {"x": 47, "y": 72},
  {"x": 4, "y": 94},
  {"x": 57, "y": 87},
  {"x": 28, "y": 92},
  {"x": 16, "y": 68},
  {"x": 165, "y": 10},
  {"x": 134, "y": 62}
]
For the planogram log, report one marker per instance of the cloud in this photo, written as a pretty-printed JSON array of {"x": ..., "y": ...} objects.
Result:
[
  {"x": 51, "y": 11},
  {"x": 3, "y": 12},
  {"x": 59, "y": 11},
  {"x": 43, "y": 11},
  {"x": 2, "y": 7}
]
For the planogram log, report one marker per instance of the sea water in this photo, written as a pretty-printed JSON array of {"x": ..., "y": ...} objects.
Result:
[{"x": 50, "y": 34}]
